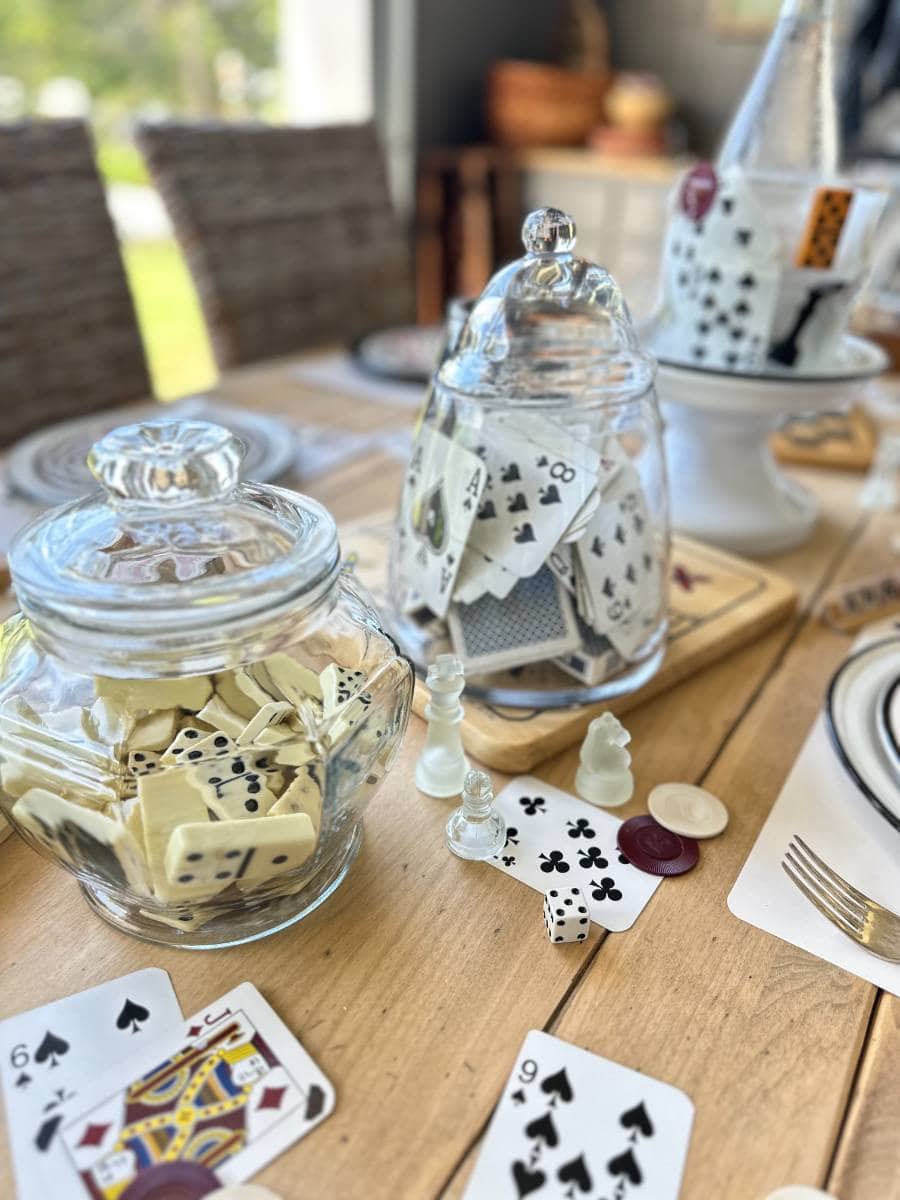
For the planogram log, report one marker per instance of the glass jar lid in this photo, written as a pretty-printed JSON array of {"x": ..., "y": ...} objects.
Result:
[
  {"x": 549, "y": 329},
  {"x": 174, "y": 566}
]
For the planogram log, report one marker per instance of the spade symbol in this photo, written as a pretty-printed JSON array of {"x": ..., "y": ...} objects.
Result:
[
  {"x": 524, "y": 534},
  {"x": 45, "y": 1134},
  {"x": 558, "y": 1085},
  {"x": 133, "y": 1015},
  {"x": 517, "y": 503},
  {"x": 510, "y": 474},
  {"x": 575, "y": 1171},
  {"x": 430, "y": 520},
  {"x": 597, "y": 547},
  {"x": 51, "y": 1047},
  {"x": 550, "y": 495},
  {"x": 487, "y": 510},
  {"x": 544, "y": 1130},
  {"x": 519, "y": 1096},
  {"x": 23, "y": 1080},
  {"x": 527, "y": 1181},
  {"x": 625, "y": 1164},
  {"x": 637, "y": 1118},
  {"x": 743, "y": 236},
  {"x": 315, "y": 1102}
]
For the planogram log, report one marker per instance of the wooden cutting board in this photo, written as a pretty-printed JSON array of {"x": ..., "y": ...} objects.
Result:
[{"x": 717, "y": 602}]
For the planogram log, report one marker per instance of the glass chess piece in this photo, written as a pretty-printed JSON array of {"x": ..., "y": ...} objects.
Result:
[
  {"x": 476, "y": 830},
  {"x": 442, "y": 766}
]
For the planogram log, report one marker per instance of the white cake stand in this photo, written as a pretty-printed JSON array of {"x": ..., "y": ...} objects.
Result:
[{"x": 725, "y": 485}]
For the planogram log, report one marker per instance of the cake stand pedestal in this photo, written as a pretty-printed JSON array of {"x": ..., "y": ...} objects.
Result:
[{"x": 725, "y": 485}]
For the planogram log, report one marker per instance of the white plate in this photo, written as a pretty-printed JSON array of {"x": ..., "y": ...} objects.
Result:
[
  {"x": 852, "y": 714},
  {"x": 888, "y": 717},
  {"x": 49, "y": 466}
]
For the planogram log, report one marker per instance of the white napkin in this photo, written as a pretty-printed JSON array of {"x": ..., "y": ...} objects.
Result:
[{"x": 822, "y": 804}]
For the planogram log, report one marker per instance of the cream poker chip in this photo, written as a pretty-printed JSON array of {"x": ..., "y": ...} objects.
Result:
[{"x": 688, "y": 810}]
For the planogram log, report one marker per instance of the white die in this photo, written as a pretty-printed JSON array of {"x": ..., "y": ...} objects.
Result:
[{"x": 566, "y": 914}]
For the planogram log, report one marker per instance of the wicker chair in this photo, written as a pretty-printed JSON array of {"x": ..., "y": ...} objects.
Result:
[
  {"x": 69, "y": 340},
  {"x": 289, "y": 233}
]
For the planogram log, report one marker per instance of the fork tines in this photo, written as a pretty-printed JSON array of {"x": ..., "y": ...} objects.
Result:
[{"x": 832, "y": 895}]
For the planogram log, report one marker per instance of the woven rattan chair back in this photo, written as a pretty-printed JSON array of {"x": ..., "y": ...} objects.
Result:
[
  {"x": 69, "y": 340},
  {"x": 289, "y": 232}
]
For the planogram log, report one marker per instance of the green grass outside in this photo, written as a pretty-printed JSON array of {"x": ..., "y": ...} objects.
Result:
[{"x": 169, "y": 315}]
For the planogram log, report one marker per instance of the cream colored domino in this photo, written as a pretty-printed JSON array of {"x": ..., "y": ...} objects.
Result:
[
  {"x": 225, "y": 852},
  {"x": 112, "y": 722},
  {"x": 285, "y": 676},
  {"x": 85, "y": 839},
  {"x": 303, "y": 796},
  {"x": 294, "y": 754},
  {"x": 230, "y": 793},
  {"x": 167, "y": 800},
  {"x": 190, "y": 692},
  {"x": 134, "y": 823},
  {"x": 217, "y": 714},
  {"x": 189, "y": 921},
  {"x": 156, "y": 731},
  {"x": 339, "y": 684},
  {"x": 275, "y": 735},
  {"x": 184, "y": 740},
  {"x": 273, "y": 713},
  {"x": 142, "y": 762},
  {"x": 242, "y": 693}
]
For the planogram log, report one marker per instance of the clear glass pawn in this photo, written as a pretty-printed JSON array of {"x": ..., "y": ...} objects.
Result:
[{"x": 476, "y": 830}]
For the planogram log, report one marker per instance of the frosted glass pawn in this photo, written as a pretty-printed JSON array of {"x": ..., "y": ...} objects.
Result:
[
  {"x": 442, "y": 765},
  {"x": 476, "y": 830},
  {"x": 604, "y": 777}
]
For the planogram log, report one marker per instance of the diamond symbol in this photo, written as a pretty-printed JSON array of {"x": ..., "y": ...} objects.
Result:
[
  {"x": 93, "y": 1135},
  {"x": 271, "y": 1097}
]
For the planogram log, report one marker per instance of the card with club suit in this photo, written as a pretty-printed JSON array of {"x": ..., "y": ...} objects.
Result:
[{"x": 573, "y": 1126}]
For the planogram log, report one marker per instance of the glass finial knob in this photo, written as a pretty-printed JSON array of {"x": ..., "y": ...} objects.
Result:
[
  {"x": 167, "y": 461},
  {"x": 548, "y": 231}
]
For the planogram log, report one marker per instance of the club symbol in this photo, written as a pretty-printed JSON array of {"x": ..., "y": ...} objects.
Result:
[
  {"x": 630, "y": 574},
  {"x": 606, "y": 889},
  {"x": 683, "y": 279},
  {"x": 727, "y": 205},
  {"x": 698, "y": 352},
  {"x": 523, "y": 534},
  {"x": 747, "y": 282},
  {"x": 732, "y": 358},
  {"x": 510, "y": 474},
  {"x": 592, "y": 856},
  {"x": 134, "y": 1014},
  {"x": 517, "y": 503},
  {"x": 580, "y": 828},
  {"x": 550, "y": 495},
  {"x": 532, "y": 805},
  {"x": 715, "y": 275},
  {"x": 543, "y": 461},
  {"x": 737, "y": 333},
  {"x": 609, "y": 588},
  {"x": 554, "y": 861},
  {"x": 512, "y": 836},
  {"x": 722, "y": 318},
  {"x": 51, "y": 1047},
  {"x": 743, "y": 237},
  {"x": 638, "y": 522},
  {"x": 647, "y": 561},
  {"x": 742, "y": 308},
  {"x": 508, "y": 860},
  {"x": 625, "y": 860},
  {"x": 709, "y": 301},
  {"x": 703, "y": 327}
]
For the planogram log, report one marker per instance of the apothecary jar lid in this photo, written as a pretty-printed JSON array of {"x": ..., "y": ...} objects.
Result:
[
  {"x": 549, "y": 329},
  {"x": 174, "y": 566}
]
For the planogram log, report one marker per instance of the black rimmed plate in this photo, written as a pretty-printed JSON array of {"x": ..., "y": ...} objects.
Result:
[
  {"x": 855, "y": 695},
  {"x": 889, "y": 722},
  {"x": 403, "y": 354}
]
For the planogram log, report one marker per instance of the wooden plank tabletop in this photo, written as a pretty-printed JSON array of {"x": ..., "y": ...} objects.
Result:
[{"x": 415, "y": 984}]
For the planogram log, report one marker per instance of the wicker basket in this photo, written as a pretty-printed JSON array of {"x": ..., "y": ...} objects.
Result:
[{"x": 536, "y": 104}]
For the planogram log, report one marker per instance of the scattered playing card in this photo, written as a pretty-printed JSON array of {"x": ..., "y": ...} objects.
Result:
[
  {"x": 230, "y": 1088},
  {"x": 552, "y": 837},
  {"x": 49, "y": 1056},
  {"x": 571, "y": 1124}
]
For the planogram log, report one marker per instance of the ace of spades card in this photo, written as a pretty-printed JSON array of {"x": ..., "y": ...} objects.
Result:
[
  {"x": 573, "y": 1126},
  {"x": 536, "y": 485},
  {"x": 554, "y": 838},
  {"x": 49, "y": 1056},
  {"x": 440, "y": 498}
]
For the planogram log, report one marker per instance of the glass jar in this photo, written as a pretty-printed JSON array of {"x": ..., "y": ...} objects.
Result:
[
  {"x": 196, "y": 704},
  {"x": 532, "y": 536}
]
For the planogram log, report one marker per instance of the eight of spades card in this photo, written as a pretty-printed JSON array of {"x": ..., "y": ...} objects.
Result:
[
  {"x": 230, "y": 1087},
  {"x": 553, "y": 838},
  {"x": 440, "y": 498},
  {"x": 573, "y": 1126},
  {"x": 619, "y": 561},
  {"x": 49, "y": 1056},
  {"x": 536, "y": 485}
]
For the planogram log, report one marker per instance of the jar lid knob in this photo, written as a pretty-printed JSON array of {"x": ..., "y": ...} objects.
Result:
[
  {"x": 548, "y": 231},
  {"x": 167, "y": 461}
]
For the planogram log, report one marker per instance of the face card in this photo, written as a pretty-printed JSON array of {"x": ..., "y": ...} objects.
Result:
[
  {"x": 230, "y": 1088},
  {"x": 440, "y": 498},
  {"x": 533, "y": 623},
  {"x": 48, "y": 1057},
  {"x": 571, "y": 1124},
  {"x": 552, "y": 837}
]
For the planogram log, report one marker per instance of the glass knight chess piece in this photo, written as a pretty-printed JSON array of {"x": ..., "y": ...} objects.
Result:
[
  {"x": 532, "y": 531},
  {"x": 476, "y": 830}
]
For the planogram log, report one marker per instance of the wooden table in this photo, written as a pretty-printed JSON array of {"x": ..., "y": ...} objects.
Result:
[{"x": 415, "y": 984}]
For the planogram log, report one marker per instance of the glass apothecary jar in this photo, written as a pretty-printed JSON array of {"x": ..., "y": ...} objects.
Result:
[
  {"x": 196, "y": 704},
  {"x": 532, "y": 536}
]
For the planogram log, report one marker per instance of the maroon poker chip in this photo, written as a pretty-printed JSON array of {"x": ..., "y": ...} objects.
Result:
[
  {"x": 698, "y": 190},
  {"x": 172, "y": 1181},
  {"x": 651, "y": 848}
]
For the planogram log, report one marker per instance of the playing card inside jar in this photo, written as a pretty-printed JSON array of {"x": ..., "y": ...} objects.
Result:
[
  {"x": 195, "y": 703},
  {"x": 532, "y": 532}
]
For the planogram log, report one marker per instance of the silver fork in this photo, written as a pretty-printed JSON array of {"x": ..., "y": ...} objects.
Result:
[{"x": 877, "y": 929}]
